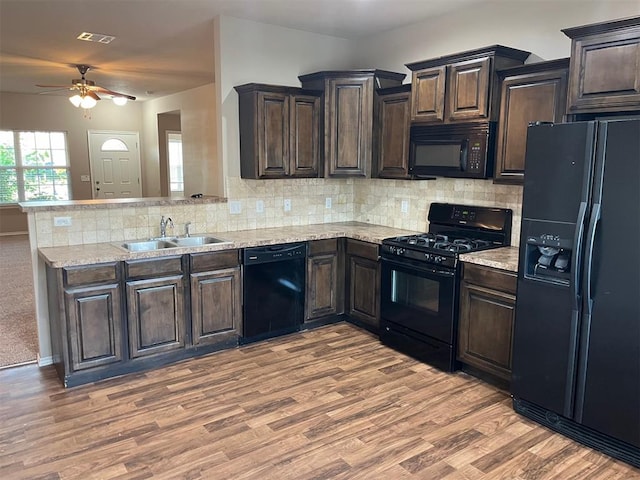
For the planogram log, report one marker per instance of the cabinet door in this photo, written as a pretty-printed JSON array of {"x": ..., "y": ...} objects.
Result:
[
  {"x": 94, "y": 319},
  {"x": 427, "y": 94},
  {"x": 468, "y": 90},
  {"x": 392, "y": 135},
  {"x": 322, "y": 284},
  {"x": 605, "y": 72},
  {"x": 216, "y": 310},
  {"x": 364, "y": 290},
  {"x": 304, "y": 129},
  {"x": 524, "y": 99},
  {"x": 349, "y": 126},
  {"x": 273, "y": 135},
  {"x": 156, "y": 315},
  {"x": 486, "y": 329}
]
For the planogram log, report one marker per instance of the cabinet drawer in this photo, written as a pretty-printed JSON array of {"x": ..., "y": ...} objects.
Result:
[
  {"x": 204, "y": 262},
  {"x": 490, "y": 277},
  {"x": 362, "y": 249},
  {"x": 90, "y": 274},
  {"x": 318, "y": 247},
  {"x": 154, "y": 268}
]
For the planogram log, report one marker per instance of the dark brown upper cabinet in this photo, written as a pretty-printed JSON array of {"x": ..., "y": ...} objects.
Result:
[
  {"x": 460, "y": 87},
  {"x": 279, "y": 131},
  {"x": 604, "y": 75},
  {"x": 392, "y": 121},
  {"x": 348, "y": 116},
  {"x": 536, "y": 92}
]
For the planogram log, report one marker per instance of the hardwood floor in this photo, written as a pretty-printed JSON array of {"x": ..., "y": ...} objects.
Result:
[{"x": 330, "y": 403}]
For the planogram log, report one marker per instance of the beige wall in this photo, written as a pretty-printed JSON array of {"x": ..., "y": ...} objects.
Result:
[
  {"x": 203, "y": 169},
  {"x": 534, "y": 26},
  {"x": 12, "y": 220}
]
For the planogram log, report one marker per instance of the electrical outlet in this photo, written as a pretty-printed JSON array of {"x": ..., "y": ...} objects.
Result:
[
  {"x": 235, "y": 207},
  {"x": 327, "y": 202},
  {"x": 259, "y": 206},
  {"x": 404, "y": 206},
  {"x": 287, "y": 204},
  {"x": 61, "y": 221}
]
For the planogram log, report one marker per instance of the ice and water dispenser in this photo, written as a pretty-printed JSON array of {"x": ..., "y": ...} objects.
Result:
[{"x": 548, "y": 254}]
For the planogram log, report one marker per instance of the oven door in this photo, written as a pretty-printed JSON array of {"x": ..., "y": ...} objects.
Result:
[{"x": 420, "y": 298}]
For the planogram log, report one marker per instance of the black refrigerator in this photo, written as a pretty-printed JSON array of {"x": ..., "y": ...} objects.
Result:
[{"x": 576, "y": 347}]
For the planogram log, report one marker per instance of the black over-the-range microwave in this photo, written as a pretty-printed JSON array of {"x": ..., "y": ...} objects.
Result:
[{"x": 464, "y": 150}]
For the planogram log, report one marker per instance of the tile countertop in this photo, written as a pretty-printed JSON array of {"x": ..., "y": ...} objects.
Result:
[
  {"x": 505, "y": 258},
  {"x": 74, "y": 255}
]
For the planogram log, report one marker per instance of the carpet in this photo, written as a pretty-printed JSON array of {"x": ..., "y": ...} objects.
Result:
[{"x": 18, "y": 329}]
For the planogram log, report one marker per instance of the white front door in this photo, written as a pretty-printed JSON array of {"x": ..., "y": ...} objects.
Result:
[{"x": 115, "y": 164}]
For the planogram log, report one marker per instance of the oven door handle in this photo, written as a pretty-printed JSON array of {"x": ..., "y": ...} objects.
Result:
[{"x": 408, "y": 264}]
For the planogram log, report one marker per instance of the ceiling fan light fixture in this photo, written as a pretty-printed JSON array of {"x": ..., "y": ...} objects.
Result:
[
  {"x": 76, "y": 100},
  {"x": 120, "y": 101},
  {"x": 88, "y": 102}
]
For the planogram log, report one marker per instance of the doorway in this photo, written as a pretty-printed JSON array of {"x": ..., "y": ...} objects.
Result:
[{"x": 115, "y": 164}]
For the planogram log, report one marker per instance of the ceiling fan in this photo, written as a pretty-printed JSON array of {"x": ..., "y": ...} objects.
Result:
[{"x": 87, "y": 91}]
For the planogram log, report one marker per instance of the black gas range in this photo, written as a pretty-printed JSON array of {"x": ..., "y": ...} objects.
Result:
[{"x": 421, "y": 276}]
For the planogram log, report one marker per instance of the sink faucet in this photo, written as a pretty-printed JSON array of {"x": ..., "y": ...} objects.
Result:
[
  {"x": 187, "y": 226},
  {"x": 164, "y": 224}
]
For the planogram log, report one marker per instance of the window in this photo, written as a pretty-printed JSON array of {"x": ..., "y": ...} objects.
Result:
[
  {"x": 174, "y": 151},
  {"x": 33, "y": 166}
]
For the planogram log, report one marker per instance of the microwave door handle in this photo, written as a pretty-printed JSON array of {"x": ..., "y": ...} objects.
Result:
[{"x": 464, "y": 150}]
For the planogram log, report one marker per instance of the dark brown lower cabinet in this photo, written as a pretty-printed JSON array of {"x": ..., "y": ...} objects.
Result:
[
  {"x": 155, "y": 305},
  {"x": 487, "y": 309},
  {"x": 115, "y": 318},
  {"x": 86, "y": 320},
  {"x": 155, "y": 313},
  {"x": 363, "y": 283},
  {"x": 324, "y": 298},
  {"x": 216, "y": 293},
  {"x": 94, "y": 322}
]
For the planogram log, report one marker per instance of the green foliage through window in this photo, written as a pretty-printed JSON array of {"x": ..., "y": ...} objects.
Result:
[{"x": 33, "y": 166}]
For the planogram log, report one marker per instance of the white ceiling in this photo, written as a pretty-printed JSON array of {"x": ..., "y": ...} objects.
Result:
[{"x": 166, "y": 46}]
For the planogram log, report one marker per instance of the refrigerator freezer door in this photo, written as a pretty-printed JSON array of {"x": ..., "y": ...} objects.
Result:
[
  {"x": 608, "y": 390},
  {"x": 557, "y": 170},
  {"x": 545, "y": 331}
]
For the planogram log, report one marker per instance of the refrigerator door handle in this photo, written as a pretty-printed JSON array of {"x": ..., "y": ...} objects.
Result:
[
  {"x": 576, "y": 256},
  {"x": 588, "y": 261}
]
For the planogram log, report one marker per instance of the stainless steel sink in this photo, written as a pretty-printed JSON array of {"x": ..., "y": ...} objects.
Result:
[
  {"x": 195, "y": 241},
  {"x": 146, "y": 245},
  {"x": 172, "y": 242}
]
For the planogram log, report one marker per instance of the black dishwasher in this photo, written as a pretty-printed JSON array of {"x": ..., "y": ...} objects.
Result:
[{"x": 273, "y": 293}]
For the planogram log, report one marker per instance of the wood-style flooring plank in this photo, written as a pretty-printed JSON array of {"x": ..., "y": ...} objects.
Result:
[{"x": 330, "y": 403}]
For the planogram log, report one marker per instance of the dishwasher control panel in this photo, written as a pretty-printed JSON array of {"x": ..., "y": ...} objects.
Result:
[{"x": 274, "y": 253}]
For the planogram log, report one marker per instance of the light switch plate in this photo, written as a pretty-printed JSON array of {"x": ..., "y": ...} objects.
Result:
[
  {"x": 235, "y": 207},
  {"x": 327, "y": 202},
  {"x": 404, "y": 206},
  {"x": 61, "y": 221},
  {"x": 259, "y": 206},
  {"x": 287, "y": 204},
  {"x": 85, "y": 178}
]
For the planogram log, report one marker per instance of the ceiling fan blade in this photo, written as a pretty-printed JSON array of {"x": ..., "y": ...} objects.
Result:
[
  {"x": 54, "y": 90},
  {"x": 54, "y": 86},
  {"x": 106, "y": 91},
  {"x": 93, "y": 95}
]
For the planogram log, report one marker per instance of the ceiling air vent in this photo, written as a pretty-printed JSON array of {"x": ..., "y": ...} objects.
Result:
[{"x": 95, "y": 37}]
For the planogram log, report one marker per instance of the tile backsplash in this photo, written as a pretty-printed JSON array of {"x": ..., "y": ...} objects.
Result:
[{"x": 261, "y": 204}]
